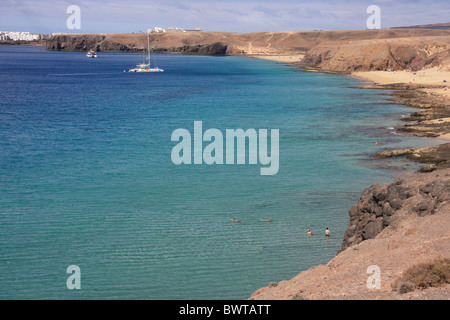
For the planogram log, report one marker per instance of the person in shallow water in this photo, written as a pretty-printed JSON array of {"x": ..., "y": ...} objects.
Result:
[
  {"x": 309, "y": 232},
  {"x": 327, "y": 232}
]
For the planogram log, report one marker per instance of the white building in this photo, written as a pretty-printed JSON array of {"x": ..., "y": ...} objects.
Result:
[
  {"x": 171, "y": 29},
  {"x": 156, "y": 30},
  {"x": 18, "y": 36}
]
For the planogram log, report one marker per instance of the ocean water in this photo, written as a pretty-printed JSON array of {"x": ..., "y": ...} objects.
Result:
[{"x": 86, "y": 176}]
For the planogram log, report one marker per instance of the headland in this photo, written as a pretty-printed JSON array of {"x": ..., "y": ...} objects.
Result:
[{"x": 400, "y": 228}]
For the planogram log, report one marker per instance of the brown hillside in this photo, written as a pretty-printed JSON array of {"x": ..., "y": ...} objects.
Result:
[{"x": 333, "y": 51}]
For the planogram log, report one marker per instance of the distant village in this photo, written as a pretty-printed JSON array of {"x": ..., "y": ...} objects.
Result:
[
  {"x": 172, "y": 29},
  {"x": 22, "y": 36},
  {"x": 28, "y": 36}
]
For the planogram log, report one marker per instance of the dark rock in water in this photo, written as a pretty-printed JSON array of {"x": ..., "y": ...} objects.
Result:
[
  {"x": 428, "y": 168},
  {"x": 215, "y": 49},
  {"x": 103, "y": 43},
  {"x": 437, "y": 157},
  {"x": 393, "y": 153},
  {"x": 69, "y": 43},
  {"x": 418, "y": 193}
]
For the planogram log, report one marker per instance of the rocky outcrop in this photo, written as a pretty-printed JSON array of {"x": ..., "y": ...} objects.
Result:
[
  {"x": 88, "y": 42},
  {"x": 110, "y": 44},
  {"x": 215, "y": 49},
  {"x": 392, "y": 229},
  {"x": 340, "y": 51},
  {"x": 70, "y": 43},
  {"x": 379, "y": 204},
  {"x": 437, "y": 157}
]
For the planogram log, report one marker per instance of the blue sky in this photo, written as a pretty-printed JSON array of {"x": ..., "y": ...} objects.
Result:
[{"x": 114, "y": 16}]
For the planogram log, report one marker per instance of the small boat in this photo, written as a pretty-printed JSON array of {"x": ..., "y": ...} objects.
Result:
[
  {"x": 91, "y": 54},
  {"x": 145, "y": 67}
]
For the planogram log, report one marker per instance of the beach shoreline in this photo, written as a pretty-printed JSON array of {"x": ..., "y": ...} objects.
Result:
[
  {"x": 427, "y": 90},
  {"x": 431, "y": 120}
]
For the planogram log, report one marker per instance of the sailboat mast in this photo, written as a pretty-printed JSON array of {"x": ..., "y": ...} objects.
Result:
[{"x": 148, "y": 47}]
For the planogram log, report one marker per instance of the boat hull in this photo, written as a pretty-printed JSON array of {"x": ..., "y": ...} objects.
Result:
[{"x": 151, "y": 70}]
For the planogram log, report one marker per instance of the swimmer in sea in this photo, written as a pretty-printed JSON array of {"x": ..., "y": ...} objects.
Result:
[
  {"x": 268, "y": 220},
  {"x": 327, "y": 232},
  {"x": 234, "y": 220},
  {"x": 309, "y": 232}
]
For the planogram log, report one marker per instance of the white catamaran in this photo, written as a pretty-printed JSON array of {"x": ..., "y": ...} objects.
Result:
[{"x": 145, "y": 67}]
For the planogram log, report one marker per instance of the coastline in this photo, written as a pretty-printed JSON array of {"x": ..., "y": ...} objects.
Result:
[
  {"x": 23, "y": 43},
  {"x": 423, "y": 123},
  {"x": 426, "y": 91},
  {"x": 429, "y": 92}
]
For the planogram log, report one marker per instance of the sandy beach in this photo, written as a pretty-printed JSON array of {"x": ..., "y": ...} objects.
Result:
[
  {"x": 437, "y": 80},
  {"x": 434, "y": 82}
]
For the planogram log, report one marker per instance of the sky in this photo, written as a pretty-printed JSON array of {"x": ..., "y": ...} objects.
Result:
[{"x": 126, "y": 16}]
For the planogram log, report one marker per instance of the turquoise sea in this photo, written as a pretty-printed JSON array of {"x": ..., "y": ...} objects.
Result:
[{"x": 86, "y": 176}]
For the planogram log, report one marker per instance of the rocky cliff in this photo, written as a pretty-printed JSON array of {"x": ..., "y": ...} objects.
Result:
[
  {"x": 103, "y": 43},
  {"x": 333, "y": 51},
  {"x": 379, "y": 205},
  {"x": 379, "y": 55},
  {"x": 435, "y": 157},
  {"x": 393, "y": 227}
]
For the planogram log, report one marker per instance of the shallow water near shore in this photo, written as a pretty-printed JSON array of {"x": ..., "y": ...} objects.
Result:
[{"x": 87, "y": 177}]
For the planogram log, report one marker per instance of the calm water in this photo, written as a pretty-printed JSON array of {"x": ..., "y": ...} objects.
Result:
[{"x": 86, "y": 176}]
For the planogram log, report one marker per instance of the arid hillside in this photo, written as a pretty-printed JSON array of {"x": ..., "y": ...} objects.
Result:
[{"x": 334, "y": 51}]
